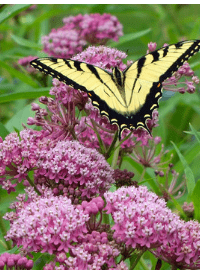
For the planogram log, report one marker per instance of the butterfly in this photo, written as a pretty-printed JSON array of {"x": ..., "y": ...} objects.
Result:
[{"x": 127, "y": 97}]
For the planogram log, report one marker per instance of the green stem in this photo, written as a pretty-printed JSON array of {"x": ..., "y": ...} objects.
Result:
[
  {"x": 173, "y": 267},
  {"x": 142, "y": 175},
  {"x": 115, "y": 156},
  {"x": 112, "y": 146},
  {"x": 33, "y": 185},
  {"x": 101, "y": 143}
]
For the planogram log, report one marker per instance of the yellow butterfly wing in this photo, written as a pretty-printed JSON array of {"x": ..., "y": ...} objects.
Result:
[
  {"x": 98, "y": 83},
  {"x": 143, "y": 79}
]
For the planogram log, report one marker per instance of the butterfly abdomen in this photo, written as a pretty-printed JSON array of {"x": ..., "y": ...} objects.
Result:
[{"x": 118, "y": 76}]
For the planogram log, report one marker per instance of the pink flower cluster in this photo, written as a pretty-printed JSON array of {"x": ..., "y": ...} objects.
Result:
[
  {"x": 95, "y": 28},
  {"x": 17, "y": 157},
  {"x": 183, "y": 249},
  {"x": 143, "y": 221},
  {"x": 25, "y": 62},
  {"x": 103, "y": 57},
  {"x": 140, "y": 217},
  {"x": 46, "y": 223},
  {"x": 15, "y": 261},
  {"x": 93, "y": 252},
  {"x": 52, "y": 224},
  {"x": 59, "y": 119},
  {"x": 68, "y": 95},
  {"x": 63, "y": 43},
  {"x": 90, "y": 253},
  {"x": 188, "y": 86},
  {"x": 67, "y": 167},
  {"x": 74, "y": 170},
  {"x": 80, "y": 31}
]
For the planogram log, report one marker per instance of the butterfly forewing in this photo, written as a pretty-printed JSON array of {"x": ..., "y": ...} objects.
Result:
[
  {"x": 161, "y": 64},
  {"x": 91, "y": 79}
]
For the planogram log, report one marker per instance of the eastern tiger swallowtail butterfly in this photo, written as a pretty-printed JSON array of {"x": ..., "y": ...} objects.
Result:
[{"x": 127, "y": 98}]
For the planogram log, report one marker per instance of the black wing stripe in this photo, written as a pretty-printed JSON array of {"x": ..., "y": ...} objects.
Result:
[
  {"x": 183, "y": 58},
  {"x": 165, "y": 51},
  {"x": 77, "y": 65},
  {"x": 94, "y": 71},
  {"x": 155, "y": 55},
  {"x": 140, "y": 65},
  {"x": 67, "y": 63}
]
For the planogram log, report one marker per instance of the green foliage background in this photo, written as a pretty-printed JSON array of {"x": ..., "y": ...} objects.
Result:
[{"x": 20, "y": 35}]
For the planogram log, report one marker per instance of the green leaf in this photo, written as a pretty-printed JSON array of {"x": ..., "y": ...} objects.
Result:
[
  {"x": 15, "y": 123},
  {"x": 24, "y": 42},
  {"x": 11, "y": 251},
  {"x": 194, "y": 132},
  {"x": 149, "y": 177},
  {"x": 3, "y": 131},
  {"x": 177, "y": 205},
  {"x": 11, "y": 11},
  {"x": 17, "y": 74},
  {"x": 48, "y": 14},
  {"x": 190, "y": 156},
  {"x": 190, "y": 181},
  {"x": 31, "y": 94},
  {"x": 195, "y": 200},
  {"x": 130, "y": 37}
]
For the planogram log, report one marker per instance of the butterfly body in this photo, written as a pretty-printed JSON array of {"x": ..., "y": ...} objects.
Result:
[{"x": 127, "y": 97}]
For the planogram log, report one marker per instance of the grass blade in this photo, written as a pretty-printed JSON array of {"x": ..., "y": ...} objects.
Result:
[
  {"x": 130, "y": 37},
  {"x": 11, "y": 11},
  {"x": 190, "y": 181},
  {"x": 195, "y": 200},
  {"x": 30, "y": 94},
  {"x": 194, "y": 132},
  {"x": 24, "y": 42},
  {"x": 17, "y": 74}
]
